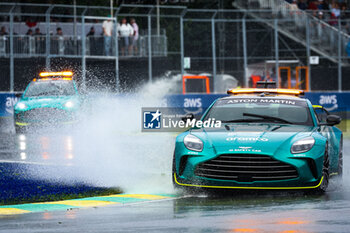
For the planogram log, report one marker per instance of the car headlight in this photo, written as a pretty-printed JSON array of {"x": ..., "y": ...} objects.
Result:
[
  {"x": 302, "y": 145},
  {"x": 69, "y": 104},
  {"x": 193, "y": 143},
  {"x": 21, "y": 106}
]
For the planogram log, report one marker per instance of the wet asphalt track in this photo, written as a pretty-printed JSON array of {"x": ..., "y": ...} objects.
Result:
[{"x": 244, "y": 212}]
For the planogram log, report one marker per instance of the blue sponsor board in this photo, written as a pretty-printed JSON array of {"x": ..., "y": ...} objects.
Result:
[
  {"x": 7, "y": 102},
  {"x": 332, "y": 101},
  {"x": 192, "y": 103},
  {"x": 192, "y": 100},
  {"x": 198, "y": 103}
]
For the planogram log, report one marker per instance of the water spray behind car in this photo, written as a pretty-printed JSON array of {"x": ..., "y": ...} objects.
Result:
[{"x": 108, "y": 148}]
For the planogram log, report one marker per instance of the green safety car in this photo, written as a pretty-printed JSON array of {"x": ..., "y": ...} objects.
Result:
[
  {"x": 268, "y": 139},
  {"x": 51, "y": 99}
]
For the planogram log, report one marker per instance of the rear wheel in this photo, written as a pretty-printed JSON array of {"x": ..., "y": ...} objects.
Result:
[
  {"x": 325, "y": 172},
  {"x": 340, "y": 161}
]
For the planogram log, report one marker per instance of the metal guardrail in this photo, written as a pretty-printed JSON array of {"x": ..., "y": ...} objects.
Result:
[
  {"x": 68, "y": 28},
  {"x": 307, "y": 30},
  {"x": 35, "y": 46},
  {"x": 295, "y": 21},
  {"x": 315, "y": 33},
  {"x": 158, "y": 44}
]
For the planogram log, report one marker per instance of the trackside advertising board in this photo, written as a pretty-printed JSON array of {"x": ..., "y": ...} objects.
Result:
[
  {"x": 198, "y": 103},
  {"x": 7, "y": 102}
]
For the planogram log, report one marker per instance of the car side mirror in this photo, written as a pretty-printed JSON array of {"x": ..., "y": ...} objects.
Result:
[
  {"x": 189, "y": 116},
  {"x": 18, "y": 94},
  {"x": 332, "y": 120}
]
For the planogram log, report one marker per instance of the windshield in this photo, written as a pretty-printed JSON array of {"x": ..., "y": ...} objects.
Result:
[
  {"x": 272, "y": 110},
  {"x": 50, "y": 88}
]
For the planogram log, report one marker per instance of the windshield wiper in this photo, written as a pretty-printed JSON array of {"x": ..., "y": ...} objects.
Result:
[
  {"x": 46, "y": 93},
  {"x": 240, "y": 120},
  {"x": 268, "y": 117}
]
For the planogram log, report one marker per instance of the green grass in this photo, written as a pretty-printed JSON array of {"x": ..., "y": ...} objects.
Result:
[{"x": 345, "y": 127}]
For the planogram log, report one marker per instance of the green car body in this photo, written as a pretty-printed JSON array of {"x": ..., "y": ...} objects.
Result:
[
  {"x": 256, "y": 153},
  {"x": 56, "y": 102}
]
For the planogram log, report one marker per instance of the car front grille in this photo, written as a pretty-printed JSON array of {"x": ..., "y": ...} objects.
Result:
[
  {"x": 44, "y": 115},
  {"x": 246, "y": 168}
]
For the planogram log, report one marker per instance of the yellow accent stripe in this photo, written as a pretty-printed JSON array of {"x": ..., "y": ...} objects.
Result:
[
  {"x": 79, "y": 203},
  {"x": 240, "y": 187},
  {"x": 333, "y": 174},
  {"x": 25, "y": 124},
  {"x": 12, "y": 211},
  {"x": 317, "y": 106},
  {"x": 141, "y": 196},
  {"x": 22, "y": 124},
  {"x": 82, "y": 203}
]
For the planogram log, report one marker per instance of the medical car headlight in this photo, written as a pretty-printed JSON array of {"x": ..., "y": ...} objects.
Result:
[
  {"x": 69, "y": 104},
  {"x": 21, "y": 106},
  {"x": 193, "y": 143},
  {"x": 302, "y": 145}
]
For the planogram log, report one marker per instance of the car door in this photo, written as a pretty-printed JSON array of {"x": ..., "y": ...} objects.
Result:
[{"x": 328, "y": 132}]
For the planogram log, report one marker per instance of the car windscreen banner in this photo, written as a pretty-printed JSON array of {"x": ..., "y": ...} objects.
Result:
[{"x": 263, "y": 101}]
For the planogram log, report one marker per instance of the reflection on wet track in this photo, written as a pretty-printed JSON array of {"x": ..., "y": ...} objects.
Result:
[
  {"x": 235, "y": 212},
  {"x": 251, "y": 213},
  {"x": 40, "y": 148}
]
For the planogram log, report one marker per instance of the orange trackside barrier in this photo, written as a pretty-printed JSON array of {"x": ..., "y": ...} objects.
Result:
[
  {"x": 255, "y": 79},
  {"x": 289, "y": 75},
  {"x": 195, "y": 77},
  {"x": 297, "y": 76}
]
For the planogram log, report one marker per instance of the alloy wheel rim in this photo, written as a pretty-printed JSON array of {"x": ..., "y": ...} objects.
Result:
[{"x": 325, "y": 172}]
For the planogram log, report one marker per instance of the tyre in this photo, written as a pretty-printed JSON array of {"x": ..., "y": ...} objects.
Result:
[
  {"x": 19, "y": 130},
  {"x": 325, "y": 173},
  {"x": 173, "y": 173},
  {"x": 340, "y": 161},
  {"x": 180, "y": 188}
]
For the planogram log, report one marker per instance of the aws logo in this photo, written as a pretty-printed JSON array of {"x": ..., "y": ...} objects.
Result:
[
  {"x": 330, "y": 100},
  {"x": 10, "y": 103},
  {"x": 192, "y": 102}
]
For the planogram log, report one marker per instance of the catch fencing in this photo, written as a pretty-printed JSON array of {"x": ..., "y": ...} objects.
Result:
[{"x": 260, "y": 39}]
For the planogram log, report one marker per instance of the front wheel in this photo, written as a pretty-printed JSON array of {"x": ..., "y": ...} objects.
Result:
[
  {"x": 179, "y": 188},
  {"x": 340, "y": 161},
  {"x": 19, "y": 129},
  {"x": 325, "y": 173},
  {"x": 173, "y": 173}
]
